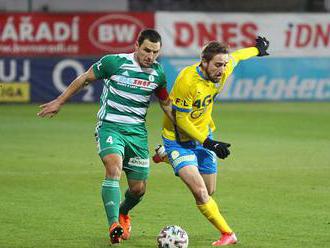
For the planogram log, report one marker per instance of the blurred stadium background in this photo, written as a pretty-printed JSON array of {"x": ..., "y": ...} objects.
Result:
[{"x": 275, "y": 188}]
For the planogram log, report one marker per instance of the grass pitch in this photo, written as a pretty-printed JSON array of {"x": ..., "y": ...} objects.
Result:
[{"x": 274, "y": 189}]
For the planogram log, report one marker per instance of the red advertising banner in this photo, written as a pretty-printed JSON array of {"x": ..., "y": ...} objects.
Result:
[
  {"x": 70, "y": 33},
  {"x": 290, "y": 35}
]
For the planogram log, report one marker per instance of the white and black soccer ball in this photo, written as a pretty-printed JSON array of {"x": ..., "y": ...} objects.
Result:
[{"x": 172, "y": 237}]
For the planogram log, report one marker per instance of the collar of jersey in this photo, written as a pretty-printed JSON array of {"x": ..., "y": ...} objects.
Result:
[{"x": 200, "y": 73}]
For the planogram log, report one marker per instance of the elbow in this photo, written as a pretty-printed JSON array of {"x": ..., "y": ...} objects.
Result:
[
  {"x": 83, "y": 79},
  {"x": 85, "y": 76},
  {"x": 180, "y": 121},
  {"x": 88, "y": 76}
]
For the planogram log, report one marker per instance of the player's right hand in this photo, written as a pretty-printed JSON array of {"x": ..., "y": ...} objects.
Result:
[
  {"x": 160, "y": 154},
  {"x": 50, "y": 109},
  {"x": 218, "y": 147}
]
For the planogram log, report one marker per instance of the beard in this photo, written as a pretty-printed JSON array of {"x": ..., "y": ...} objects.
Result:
[{"x": 209, "y": 77}]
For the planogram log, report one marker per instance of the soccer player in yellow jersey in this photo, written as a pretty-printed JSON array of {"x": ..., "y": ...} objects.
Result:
[{"x": 188, "y": 143}]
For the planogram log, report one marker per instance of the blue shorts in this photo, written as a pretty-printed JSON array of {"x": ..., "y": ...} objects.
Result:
[{"x": 190, "y": 153}]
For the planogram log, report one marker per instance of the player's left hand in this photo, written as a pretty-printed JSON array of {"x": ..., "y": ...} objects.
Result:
[
  {"x": 262, "y": 45},
  {"x": 50, "y": 109},
  {"x": 221, "y": 149}
]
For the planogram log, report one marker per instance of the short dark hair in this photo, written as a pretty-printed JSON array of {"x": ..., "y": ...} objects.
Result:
[
  {"x": 213, "y": 48},
  {"x": 149, "y": 34}
]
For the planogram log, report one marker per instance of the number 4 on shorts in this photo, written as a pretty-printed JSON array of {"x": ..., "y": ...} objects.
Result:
[{"x": 109, "y": 140}]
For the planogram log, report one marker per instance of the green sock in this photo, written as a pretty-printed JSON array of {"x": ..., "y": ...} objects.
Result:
[
  {"x": 111, "y": 199},
  {"x": 130, "y": 202}
]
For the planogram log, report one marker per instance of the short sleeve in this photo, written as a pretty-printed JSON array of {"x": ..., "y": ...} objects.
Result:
[
  {"x": 162, "y": 78},
  {"x": 161, "y": 91},
  {"x": 104, "y": 68}
]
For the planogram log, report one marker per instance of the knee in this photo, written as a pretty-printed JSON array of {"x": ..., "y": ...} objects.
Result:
[
  {"x": 138, "y": 190},
  {"x": 201, "y": 195},
  {"x": 112, "y": 166}
]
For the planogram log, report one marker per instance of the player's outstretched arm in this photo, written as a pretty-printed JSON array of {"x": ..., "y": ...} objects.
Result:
[
  {"x": 260, "y": 49},
  {"x": 53, "y": 107}
]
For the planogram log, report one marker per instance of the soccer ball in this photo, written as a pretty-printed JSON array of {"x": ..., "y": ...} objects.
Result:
[{"x": 172, "y": 237}]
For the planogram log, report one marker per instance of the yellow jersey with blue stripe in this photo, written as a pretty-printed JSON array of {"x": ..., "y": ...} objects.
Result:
[{"x": 193, "y": 96}]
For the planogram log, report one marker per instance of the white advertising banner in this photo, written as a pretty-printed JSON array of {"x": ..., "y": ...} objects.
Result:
[{"x": 290, "y": 35}]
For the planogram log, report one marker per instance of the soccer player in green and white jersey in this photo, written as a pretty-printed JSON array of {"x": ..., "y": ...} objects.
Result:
[{"x": 129, "y": 82}]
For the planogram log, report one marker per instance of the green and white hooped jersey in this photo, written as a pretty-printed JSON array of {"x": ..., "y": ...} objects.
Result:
[{"x": 127, "y": 88}]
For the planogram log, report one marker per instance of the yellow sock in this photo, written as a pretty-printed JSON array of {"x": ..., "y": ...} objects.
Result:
[{"x": 211, "y": 211}]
